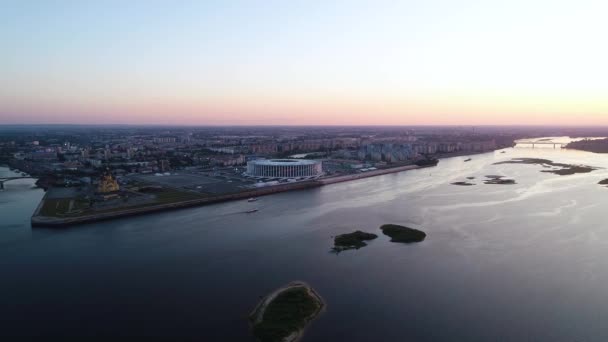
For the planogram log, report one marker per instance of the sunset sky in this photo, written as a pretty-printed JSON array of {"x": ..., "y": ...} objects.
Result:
[{"x": 304, "y": 62}]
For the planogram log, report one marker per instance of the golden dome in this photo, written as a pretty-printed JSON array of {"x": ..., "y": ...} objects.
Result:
[{"x": 107, "y": 183}]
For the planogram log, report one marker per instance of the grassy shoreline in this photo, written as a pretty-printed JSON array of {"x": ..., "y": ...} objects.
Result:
[{"x": 284, "y": 314}]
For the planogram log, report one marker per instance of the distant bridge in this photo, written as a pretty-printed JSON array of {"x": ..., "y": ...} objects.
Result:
[
  {"x": 6, "y": 179},
  {"x": 533, "y": 143}
]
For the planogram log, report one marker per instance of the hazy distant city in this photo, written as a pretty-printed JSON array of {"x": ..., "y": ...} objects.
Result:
[
  {"x": 110, "y": 169},
  {"x": 129, "y": 150}
]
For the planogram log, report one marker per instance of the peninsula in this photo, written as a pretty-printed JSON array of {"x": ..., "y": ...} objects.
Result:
[
  {"x": 590, "y": 145},
  {"x": 141, "y": 195}
]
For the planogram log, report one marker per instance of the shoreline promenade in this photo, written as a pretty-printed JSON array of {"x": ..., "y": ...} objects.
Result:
[{"x": 39, "y": 220}]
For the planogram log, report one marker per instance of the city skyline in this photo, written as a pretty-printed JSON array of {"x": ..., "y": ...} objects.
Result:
[{"x": 273, "y": 63}]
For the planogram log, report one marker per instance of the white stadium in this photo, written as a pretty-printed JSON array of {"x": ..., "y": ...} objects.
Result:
[{"x": 284, "y": 168}]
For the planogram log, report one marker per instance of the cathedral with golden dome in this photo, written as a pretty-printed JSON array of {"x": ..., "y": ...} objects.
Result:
[{"x": 107, "y": 183}]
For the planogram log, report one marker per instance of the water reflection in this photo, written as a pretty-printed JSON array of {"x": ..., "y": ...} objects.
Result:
[{"x": 501, "y": 262}]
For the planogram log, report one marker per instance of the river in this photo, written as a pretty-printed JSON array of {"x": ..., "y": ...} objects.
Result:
[{"x": 524, "y": 262}]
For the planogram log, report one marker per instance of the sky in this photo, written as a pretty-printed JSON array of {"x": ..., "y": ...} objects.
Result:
[{"x": 351, "y": 62}]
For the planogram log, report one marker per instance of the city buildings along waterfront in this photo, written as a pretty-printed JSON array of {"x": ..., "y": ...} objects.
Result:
[{"x": 94, "y": 173}]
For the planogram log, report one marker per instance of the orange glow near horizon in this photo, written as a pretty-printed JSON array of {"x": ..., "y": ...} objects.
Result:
[
  {"x": 323, "y": 63},
  {"x": 321, "y": 110}
]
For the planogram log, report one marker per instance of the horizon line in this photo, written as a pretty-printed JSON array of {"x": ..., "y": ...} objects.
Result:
[{"x": 305, "y": 125}]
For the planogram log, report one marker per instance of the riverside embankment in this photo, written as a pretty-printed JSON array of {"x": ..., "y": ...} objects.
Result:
[
  {"x": 52, "y": 221},
  {"x": 346, "y": 178},
  {"x": 40, "y": 220}
]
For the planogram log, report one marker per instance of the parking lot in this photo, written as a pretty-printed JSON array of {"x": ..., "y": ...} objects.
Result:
[{"x": 204, "y": 182}]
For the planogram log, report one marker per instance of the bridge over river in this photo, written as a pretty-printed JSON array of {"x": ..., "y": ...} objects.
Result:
[{"x": 542, "y": 142}]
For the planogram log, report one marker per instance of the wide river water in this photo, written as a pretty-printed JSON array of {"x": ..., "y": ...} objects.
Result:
[{"x": 524, "y": 262}]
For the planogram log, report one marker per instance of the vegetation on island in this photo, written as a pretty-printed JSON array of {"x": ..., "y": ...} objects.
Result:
[
  {"x": 463, "y": 183},
  {"x": 571, "y": 169},
  {"x": 561, "y": 168},
  {"x": 284, "y": 317},
  {"x": 354, "y": 240},
  {"x": 491, "y": 179},
  {"x": 603, "y": 182},
  {"x": 498, "y": 180},
  {"x": 399, "y": 233}
]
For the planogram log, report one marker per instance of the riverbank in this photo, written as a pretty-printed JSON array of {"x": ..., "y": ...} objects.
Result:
[
  {"x": 49, "y": 221},
  {"x": 39, "y": 220},
  {"x": 367, "y": 174}
]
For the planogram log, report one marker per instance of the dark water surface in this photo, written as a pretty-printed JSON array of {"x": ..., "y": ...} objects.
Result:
[{"x": 524, "y": 262}]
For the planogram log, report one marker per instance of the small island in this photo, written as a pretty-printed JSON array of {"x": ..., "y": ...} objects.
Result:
[
  {"x": 399, "y": 233},
  {"x": 283, "y": 315},
  {"x": 463, "y": 183},
  {"x": 498, "y": 180},
  {"x": 560, "y": 168},
  {"x": 471, "y": 177},
  {"x": 571, "y": 169},
  {"x": 354, "y": 240},
  {"x": 603, "y": 182}
]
